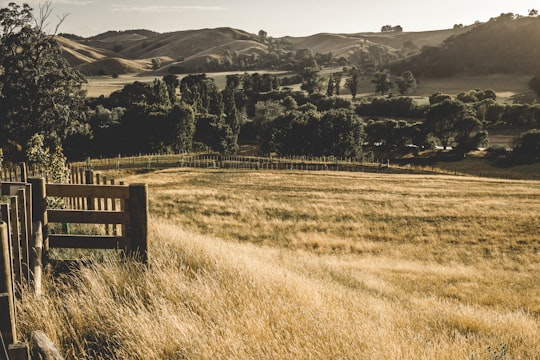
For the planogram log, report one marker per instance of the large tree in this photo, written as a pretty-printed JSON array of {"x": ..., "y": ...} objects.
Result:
[
  {"x": 41, "y": 93},
  {"x": 453, "y": 119}
]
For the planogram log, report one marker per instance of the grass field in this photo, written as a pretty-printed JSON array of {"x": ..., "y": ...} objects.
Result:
[
  {"x": 505, "y": 86},
  {"x": 313, "y": 265}
]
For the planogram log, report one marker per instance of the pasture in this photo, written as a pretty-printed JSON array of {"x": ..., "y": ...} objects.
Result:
[
  {"x": 326, "y": 265},
  {"x": 506, "y": 86}
]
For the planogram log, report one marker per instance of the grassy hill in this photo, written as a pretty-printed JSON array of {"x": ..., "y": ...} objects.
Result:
[
  {"x": 296, "y": 265},
  {"x": 193, "y": 49},
  {"x": 502, "y": 45}
]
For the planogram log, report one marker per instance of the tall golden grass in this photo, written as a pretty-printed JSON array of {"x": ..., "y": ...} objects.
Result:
[{"x": 291, "y": 265}]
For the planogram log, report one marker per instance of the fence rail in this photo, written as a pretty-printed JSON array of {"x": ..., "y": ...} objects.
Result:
[{"x": 26, "y": 235}]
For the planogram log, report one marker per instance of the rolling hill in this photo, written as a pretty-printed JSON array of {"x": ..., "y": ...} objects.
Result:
[{"x": 502, "y": 45}]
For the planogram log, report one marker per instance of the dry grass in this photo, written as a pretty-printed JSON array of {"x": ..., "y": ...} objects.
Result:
[{"x": 289, "y": 265}]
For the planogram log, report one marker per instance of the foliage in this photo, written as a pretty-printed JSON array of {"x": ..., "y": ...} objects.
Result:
[
  {"x": 382, "y": 82},
  {"x": 528, "y": 146},
  {"x": 534, "y": 84},
  {"x": 41, "y": 92},
  {"x": 337, "y": 132},
  {"x": 508, "y": 38},
  {"x": 406, "y": 82},
  {"x": 394, "y": 106},
  {"x": 156, "y": 63},
  {"x": 438, "y": 97},
  {"x": 52, "y": 165},
  {"x": 352, "y": 83},
  {"x": 450, "y": 117},
  {"x": 311, "y": 82}
]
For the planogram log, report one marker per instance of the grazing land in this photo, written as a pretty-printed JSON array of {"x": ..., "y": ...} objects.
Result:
[{"x": 297, "y": 265}]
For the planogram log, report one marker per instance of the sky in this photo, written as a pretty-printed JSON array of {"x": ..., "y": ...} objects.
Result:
[{"x": 277, "y": 17}]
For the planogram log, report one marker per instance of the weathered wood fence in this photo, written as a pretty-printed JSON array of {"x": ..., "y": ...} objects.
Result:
[
  {"x": 27, "y": 233},
  {"x": 216, "y": 161}
]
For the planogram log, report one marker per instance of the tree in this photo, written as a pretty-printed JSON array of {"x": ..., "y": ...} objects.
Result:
[
  {"x": 534, "y": 84},
  {"x": 41, "y": 92},
  {"x": 182, "y": 119},
  {"x": 528, "y": 146},
  {"x": 337, "y": 82},
  {"x": 172, "y": 83},
  {"x": 156, "y": 63},
  {"x": 382, "y": 82},
  {"x": 310, "y": 80},
  {"x": 353, "y": 82},
  {"x": 533, "y": 12},
  {"x": 262, "y": 35},
  {"x": 406, "y": 83},
  {"x": 450, "y": 118},
  {"x": 331, "y": 87}
]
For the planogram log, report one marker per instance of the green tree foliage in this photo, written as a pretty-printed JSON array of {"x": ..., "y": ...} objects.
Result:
[
  {"x": 438, "y": 97},
  {"x": 337, "y": 82},
  {"x": 452, "y": 118},
  {"x": 181, "y": 120},
  {"x": 528, "y": 146},
  {"x": 353, "y": 82},
  {"x": 172, "y": 83},
  {"x": 217, "y": 119},
  {"x": 330, "y": 88},
  {"x": 382, "y": 82},
  {"x": 52, "y": 165},
  {"x": 534, "y": 84},
  {"x": 337, "y": 132},
  {"x": 406, "y": 83},
  {"x": 311, "y": 82},
  {"x": 156, "y": 63},
  {"x": 41, "y": 92},
  {"x": 393, "y": 106}
]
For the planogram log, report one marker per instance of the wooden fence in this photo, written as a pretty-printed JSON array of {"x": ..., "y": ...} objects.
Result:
[
  {"x": 27, "y": 234},
  {"x": 216, "y": 161}
]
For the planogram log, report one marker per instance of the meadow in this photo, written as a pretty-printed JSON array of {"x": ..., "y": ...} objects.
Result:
[
  {"x": 506, "y": 86},
  {"x": 312, "y": 265}
]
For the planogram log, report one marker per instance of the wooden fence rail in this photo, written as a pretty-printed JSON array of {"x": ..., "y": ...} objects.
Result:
[{"x": 26, "y": 235}]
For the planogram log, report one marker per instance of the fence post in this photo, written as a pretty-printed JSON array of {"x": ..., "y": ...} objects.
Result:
[
  {"x": 7, "y": 306},
  {"x": 138, "y": 227},
  {"x": 39, "y": 213},
  {"x": 89, "y": 179},
  {"x": 37, "y": 255},
  {"x": 24, "y": 172}
]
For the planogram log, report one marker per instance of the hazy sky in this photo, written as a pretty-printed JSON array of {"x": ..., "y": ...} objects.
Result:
[{"x": 276, "y": 17}]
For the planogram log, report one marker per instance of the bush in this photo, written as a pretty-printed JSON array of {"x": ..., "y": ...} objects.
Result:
[{"x": 528, "y": 146}]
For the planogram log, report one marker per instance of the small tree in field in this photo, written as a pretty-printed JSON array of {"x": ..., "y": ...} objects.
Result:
[
  {"x": 534, "y": 84},
  {"x": 406, "y": 83},
  {"x": 353, "y": 82},
  {"x": 382, "y": 82}
]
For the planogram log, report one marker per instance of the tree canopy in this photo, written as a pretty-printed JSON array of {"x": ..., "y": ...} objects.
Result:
[{"x": 41, "y": 92}]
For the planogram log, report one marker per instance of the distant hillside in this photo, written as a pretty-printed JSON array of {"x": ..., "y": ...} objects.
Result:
[{"x": 503, "y": 45}]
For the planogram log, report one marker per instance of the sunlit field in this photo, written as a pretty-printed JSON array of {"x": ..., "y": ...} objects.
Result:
[
  {"x": 313, "y": 265},
  {"x": 505, "y": 86}
]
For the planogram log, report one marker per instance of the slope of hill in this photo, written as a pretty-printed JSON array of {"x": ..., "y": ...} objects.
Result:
[
  {"x": 78, "y": 53},
  {"x": 503, "y": 45}
]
